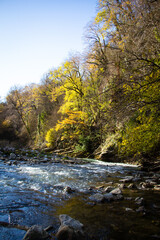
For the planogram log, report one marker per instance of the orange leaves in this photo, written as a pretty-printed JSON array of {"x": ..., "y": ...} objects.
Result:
[{"x": 74, "y": 119}]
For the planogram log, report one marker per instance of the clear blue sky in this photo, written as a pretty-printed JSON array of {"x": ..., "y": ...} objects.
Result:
[{"x": 38, "y": 35}]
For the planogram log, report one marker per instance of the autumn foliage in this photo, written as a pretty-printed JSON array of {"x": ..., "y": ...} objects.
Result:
[{"x": 112, "y": 90}]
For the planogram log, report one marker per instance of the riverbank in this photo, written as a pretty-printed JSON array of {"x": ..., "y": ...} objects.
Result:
[{"x": 147, "y": 164}]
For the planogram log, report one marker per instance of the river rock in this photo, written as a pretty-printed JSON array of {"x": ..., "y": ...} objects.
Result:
[
  {"x": 129, "y": 210},
  {"x": 108, "y": 189},
  {"x": 36, "y": 233},
  {"x": 98, "y": 187},
  {"x": 132, "y": 186},
  {"x": 109, "y": 183},
  {"x": 145, "y": 185},
  {"x": 139, "y": 200},
  {"x": 136, "y": 179},
  {"x": 109, "y": 197},
  {"x": 116, "y": 191},
  {"x": 122, "y": 185},
  {"x": 12, "y": 156},
  {"x": 127, "y": 179},
  {"x": 141, "y": 209},
  {"x": 157, "y": 187},
  {"x": 98, "y": 197},
  {"x": 65, "y": 232},
  {"x": 68, "y": 221},
  {"x": 70, "y": 229},
  {"x": 151, "y": 182},
  {"x": 68, "y": 233},
  {"x": 68, "y": 190}
]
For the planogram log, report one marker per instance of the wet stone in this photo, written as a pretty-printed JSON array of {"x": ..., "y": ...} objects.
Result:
[
  {"x": 70, "y": 229},
  {"x": 36, "y": 233},
  {"x": 68, "y": 221},
  {"x": 128, "y": 198},
  {"x": 157, "y": 187},
  {"x": 122, "y": 186},
  {"x": 108, "y": 189},
  {"x": 136, "y": 179},
  {"x": 127, "y": 179},
  {"x": 132, "y": 186},
  {"x": 129, "y": 210},
  {"x": 109, "y": 197},
  {"x": 12, "y": 156},
  {"x": 139, "y": 201},
  {"x": 68, "y": 190},
  {"x": 145, "y": 185},
  {"x": 98, "y": 197},
  {"x": 99, "y": 187},
  {"x": 141, "y": 209},
  {"x": 116, "y": 191}
]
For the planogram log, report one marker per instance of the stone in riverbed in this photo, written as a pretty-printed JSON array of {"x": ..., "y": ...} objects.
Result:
[
  {"x": 70, "y": 229},
  {"x": 110, "y": 197},
  {"x": 68, "y": 221},
  {"x": 145, "y": 185},
  {"x": 12, "y": 156},
  {"x": 122, "y": 185},
  {"x": 108, "y": 189},
  {"x": 68, "y": 190},
  {"x": 127, "y": 179},
  {"x": 65, "y": 232},
  {"x": 136, "y": 179},
  {"x": 129, "y": 210},
  {"x": 139, "y": 200},
  {"x": 116, "y": 191},
  {"x": 36, "y": 233},
  {"x": 157, "y": 187},
  {"x": 141, "y": 209},
  {"x": 98, "y": 197},
  {"x": 132, "y": 186}
]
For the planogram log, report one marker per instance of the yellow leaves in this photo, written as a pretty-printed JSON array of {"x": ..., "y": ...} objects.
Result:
[
  {"x": 74, "y": 119},
  {"x": 50, "y": 137},
  {"x": 100, "y": 16},
  {"x": 142, "y": 138},
  {"x": 126, "y": 88},
  {"x": 122, "y": 42},
  {"x": 6, "y": 123},
  {"x": 64, "y": 123},
  {"x": 58, "y": 126},
  {"x": 71, "y": 126}
]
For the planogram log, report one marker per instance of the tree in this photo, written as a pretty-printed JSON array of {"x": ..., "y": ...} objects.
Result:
[{"x": 17, "y": 99}]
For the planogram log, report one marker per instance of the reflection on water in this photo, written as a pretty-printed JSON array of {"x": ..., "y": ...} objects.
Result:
[{"x": 35, "y": 195}]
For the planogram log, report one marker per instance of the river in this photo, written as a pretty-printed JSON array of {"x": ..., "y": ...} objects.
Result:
[{"x": 34, "y": 194}]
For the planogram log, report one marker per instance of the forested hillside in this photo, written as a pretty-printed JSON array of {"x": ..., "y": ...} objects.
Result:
[{"x": 105, "y": 101}]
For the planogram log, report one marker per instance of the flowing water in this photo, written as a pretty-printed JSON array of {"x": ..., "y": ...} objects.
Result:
[{"x": 34, "y": 194}]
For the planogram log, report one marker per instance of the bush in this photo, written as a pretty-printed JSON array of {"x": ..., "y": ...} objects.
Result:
[
  {"x": 141, "y": 139},
  {"x": 51, "y": 137}
]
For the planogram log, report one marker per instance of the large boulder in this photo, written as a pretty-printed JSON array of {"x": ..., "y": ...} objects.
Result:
[
  {"x": 36, "y": 233},
  {"x": 70, "y": 229}
]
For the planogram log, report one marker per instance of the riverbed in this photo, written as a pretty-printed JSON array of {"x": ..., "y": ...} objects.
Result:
[{"x": 34, "y": 194}]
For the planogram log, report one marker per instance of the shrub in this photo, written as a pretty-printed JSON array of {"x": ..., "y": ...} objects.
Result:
[{"x": 51, "y": 137}]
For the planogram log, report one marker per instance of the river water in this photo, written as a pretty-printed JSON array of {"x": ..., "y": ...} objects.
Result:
[{"x": 34, "y": 194}]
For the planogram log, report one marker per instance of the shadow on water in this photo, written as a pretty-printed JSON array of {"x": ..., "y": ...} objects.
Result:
[{"x": 109, "y": 221}]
